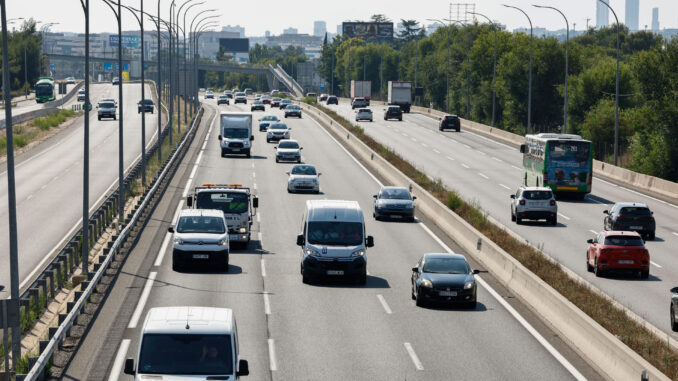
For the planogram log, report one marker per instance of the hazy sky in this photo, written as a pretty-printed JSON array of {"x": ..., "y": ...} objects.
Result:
[{"x": 258, "y": 16}]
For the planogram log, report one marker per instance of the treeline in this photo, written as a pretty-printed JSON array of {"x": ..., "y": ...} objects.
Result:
[
  {"x": 649, "y": 83},
  {"x": 24, "y": 46}
]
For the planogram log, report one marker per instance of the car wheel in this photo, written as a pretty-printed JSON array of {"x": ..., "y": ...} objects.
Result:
[
  {"x": 458, "y": 129},
  {"x": 299, "y": 160},
  {"x": 413, "y": 296},
  {"x": 305, "y": 279},
  {"x": 99, "y": 118},
  {"x": 472, "y": 305},
  {"x": 419, "y": 299},
  {"x": 513, "y": 216},
  {"x": 400, "y": 119},
  {"x": 115, "y": 118},
  {"x": 225, "y": 265},
  {"x": 554, "y": 221},
  {"x": 519, "y": 220},
  {"x": 289, "y": 190},
  {"x": 277, "y": 161},
  {"x": 362, "y": 279},
  {"x": 650, "y": 237},
  {"x": 175, "y": 266},
  {"x": 645, "y": 274},
  {"x": 589, "y": 268},
  {"x": 597, "y": 269},
  {"x": 674, "y": 323}
]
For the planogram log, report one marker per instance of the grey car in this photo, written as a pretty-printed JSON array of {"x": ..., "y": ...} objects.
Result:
[
  {"x": 534, "y": 203},
  {"x": 106, "y": 109},
  {"x": 395, "y": 203}
]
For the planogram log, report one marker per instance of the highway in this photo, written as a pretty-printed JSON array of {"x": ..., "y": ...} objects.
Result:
[
  {"x": 24, "y": 106},
  {"x": 487, "y": 172},
  {"x": 328, "y": 331},
  {"x": 49, "y": 182}
]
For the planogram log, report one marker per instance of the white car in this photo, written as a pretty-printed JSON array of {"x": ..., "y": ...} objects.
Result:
[
  {"x": 277, "y": 131},
  {"x": 288, "y": 150},
  {"x": 363, "y": 114},
  {"x": 200, "y": 237},
  {"x": 209, "y": 95},
  {"x": 303, "y": 177},
  {"x": 70, "y": 81}
]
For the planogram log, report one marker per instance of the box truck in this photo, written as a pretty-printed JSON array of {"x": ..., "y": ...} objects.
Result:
[{"x": 400, "y": 94}]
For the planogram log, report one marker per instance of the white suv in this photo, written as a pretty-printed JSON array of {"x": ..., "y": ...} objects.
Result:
[
  {"x": 534, "y": 203},
  {"x": 200, "y": 237}
]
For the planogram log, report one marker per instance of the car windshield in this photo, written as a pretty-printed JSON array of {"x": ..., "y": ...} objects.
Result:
[
  {"x": 278, "y": 126},
  {"x": 223, "y": 97},
  {"x": 537, "y": 195},
  {"x": 270, "y": 117},
  {"x": 563, "y": 150},
  {"x": 240, "y": 94},
  {"x": 201, "y": 224},
  {"x": 303, "y": 170},
  {"x": 635, "y": 211},
  {"x": 623, "y": 241},
  {"x": 394, "y": 109},
  {"x": 227, "y": 202},
  {"x": 186, "y": 354},
  {"x": 446, "y": 266},
  {"x": 106, "y": 105},
  {"x": 148, "y": 101},
  {"x": 335, "y": 233},
  {"x": 286, "y": 101},
  {"x": 276, "y": 99},
  {"x": 258, "y": 102},
  {"x": 293, "y": 107},
  {"x": 81, "y": 91},
  {"x": 41, "y": 90},
  {"x": 288, "y": 145},
  {"x": 235, "y": 133},
  {"x": 365, "y": 110},
  {"x": 395, "y": 194}
]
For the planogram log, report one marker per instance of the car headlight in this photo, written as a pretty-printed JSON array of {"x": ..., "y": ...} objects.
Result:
[
  {"x": 409, "y": 206},
  {"x": 469, "y": 285},
  {"x": 223, "y": 242},
  {"x": 358, "y": 253},
  {"x": 311, "y": 252},
  {"x": 242, "y": 230},
  {"x": 178, "y": 241},
  {"x": 426, "y": 283}
]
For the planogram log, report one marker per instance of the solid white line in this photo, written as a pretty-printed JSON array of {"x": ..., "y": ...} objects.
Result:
[
  {"x": 267, "y": 304},
  {"x": 514, "y": 167},
  {"x": 593, "y": 231},
  {"x": 674, "y": 233},
  {"x": 142, "y": 301},
  {"x": 177, "y": 211},
  {"x": 467, "y": 146},
  {"x": 504, "y": 186},
  {"x": 436, "y": 151},
  {"x": 187, "y": 187},
  {"x": 195, "y": 168},
  {"x": 263, "y": 268},
  {"x": 204, "y": 145},
  {"x": 163, "y": 249},
  {"x": 384, "y": 304},
  {"x": 271, "y": 355},
  {"x": 424, "y": 145},
  {"x": 482, "y": 175},
  {"x": 564, "y": 216},
  {"x": 197, "y": 161},
  {"x": 413, "y": 356},
  {"x": 119, "y": 360},
  {"x": 450, "y": 158},
  {"x": 498, "y": 159},
  {"x": 482, "y": 153},
  {"x": 655, "y": 264},
  {"x": 638, "y": 193},
  {"x": 465, "y": 166}
]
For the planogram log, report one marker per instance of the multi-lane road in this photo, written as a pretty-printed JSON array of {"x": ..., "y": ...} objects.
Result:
[
  {"x": 49, "y": 181},
  {"x": 24, "y": 106},
  {"x": 487, "y": 172},
  {"x": 333, "y": 331}
]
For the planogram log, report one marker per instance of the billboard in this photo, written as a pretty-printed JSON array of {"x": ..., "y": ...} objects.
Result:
[
  {"x": 235, "y": 45},
  {"x": 369, "y": 31},
  {"x": 127, "y": 41}
]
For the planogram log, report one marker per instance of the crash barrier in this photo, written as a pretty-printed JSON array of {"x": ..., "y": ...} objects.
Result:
[{"x": 602, "y": 349}]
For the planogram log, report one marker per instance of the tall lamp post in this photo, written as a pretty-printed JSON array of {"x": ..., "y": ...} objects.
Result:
[
  {"x": 194, "y": 53},
  {"x": 529, "y": 91},
  {"x": 85, "y": 161},
  {"x": 567, "y": 57},
  {"x": 616, "y": 91},
  {"x": 185, "y": 61},
  {"x": 494, "y": 65},
  {"x": 447, "y": 101},
  {"x": 42, "y": 32},
  {"x": 198, "y": 31}
]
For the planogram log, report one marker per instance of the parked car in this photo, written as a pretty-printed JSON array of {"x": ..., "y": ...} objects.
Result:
[
  {"x": 363, "y": 114},
  {"x": 332, "y": 100},
  {"x": 288, "y": 150},
  {"x": 618, "y": 250},
  {"x": 450, "y": 122},
  {"x": 81, "y": 95},
  {"x": 534, "y": 203},
  {"x": 631, "y": 216},
  {"x": 258, "y": 105},
  {"x": 393, "y": 112},
  {"x": 394, "y": 202},
  {"x": 223, "y": 99},
  {"x": 359, "y": 102},
  {"x": 444, "y": 278},
  {"x": 145, "y": 105},
  {"x": 266, "y": 121},
  {"x": 293, "y": 110},
  {"x": 303, "y": 177}
]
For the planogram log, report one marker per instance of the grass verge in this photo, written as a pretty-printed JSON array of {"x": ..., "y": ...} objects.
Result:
[
  {"x": 657, "y": 352},
  {"x": 25, "y": 133}
]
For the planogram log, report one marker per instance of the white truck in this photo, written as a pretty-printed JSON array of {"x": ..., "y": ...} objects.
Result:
[
  {"x": 400, "y": 94},
  {"x": 235, "y": 133},
  {"x": 237, "y": 203},
  {"x": 361, "y": 89}
]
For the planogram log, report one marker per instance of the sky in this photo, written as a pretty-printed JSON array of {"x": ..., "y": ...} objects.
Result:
[{"x": 261, "y": 15}]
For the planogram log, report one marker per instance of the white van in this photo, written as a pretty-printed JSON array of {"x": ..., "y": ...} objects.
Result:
[
  {"x": 235, "y": 133},
  {"x": 333, "y": 240},
  {"x": 187, "y": 342}
]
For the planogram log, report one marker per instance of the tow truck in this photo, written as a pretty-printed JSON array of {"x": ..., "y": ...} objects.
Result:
[{"x": 237, "y": 203}]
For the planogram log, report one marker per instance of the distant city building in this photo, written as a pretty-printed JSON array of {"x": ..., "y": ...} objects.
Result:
[
  {"x": 291, "y": 31},
  {"x": 655, "y": 20},
  {"x": 602, "y": 14},
  {"x": 319, "y": 28},
  {"x": 237, "y": 48},
  {"x": 267, "y": 33},
  {"x": 236, "y": 29},
  {"x": 208, "y": 43},
  {"x": 632, "y": 10},
  {"x": 286, "y": 39},
  {"x": 339, "y": 30}
]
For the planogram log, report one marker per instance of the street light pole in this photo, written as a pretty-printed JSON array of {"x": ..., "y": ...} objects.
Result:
[
  {"x": 567, "y": 57},
  {"x": 186, "y": 92},
  {"x": 447, "y": 101},
  {"x": 494, "y": 65},
  {"x": 85, "y": 161},
  {"x": 529, "y": 91},
  {"x": 616, "y": 91}
]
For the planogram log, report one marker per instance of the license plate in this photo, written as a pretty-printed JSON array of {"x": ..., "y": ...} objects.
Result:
[
  {"x": 335, "y": 272},
  {"x": 447, "y": 293},
  {"x": 625, "y": 261},
  {"x": 232, "y": 237},
  {"x": 201, "y": 256},
  {"x": 235, "y": 149},
  {"x": 636, "y": 227}
]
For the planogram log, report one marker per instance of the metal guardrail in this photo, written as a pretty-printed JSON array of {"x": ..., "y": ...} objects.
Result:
[{"x": 56, "y": 335}]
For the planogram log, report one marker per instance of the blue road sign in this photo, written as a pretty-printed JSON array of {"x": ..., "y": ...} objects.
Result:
[
  {"x": 52, "y": 66},
  {"x": 108, "y": 66}
]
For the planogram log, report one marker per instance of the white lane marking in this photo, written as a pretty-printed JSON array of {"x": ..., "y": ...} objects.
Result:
[
  {"x": 413, "y": 356},
  {"x": 504, "y": 186},
  {"x": 467, "y": 146},
  {"x": 258, "y": 217},
  {"x": 656, "y": 264},
  {"x": 263, "y": 268},
  {"x": 187, "y": 187},
  {"x": 271, "y": 355},
  {"x": 204, "y": 145},
  {"x": 414, "y": 140},
  {"x": 593, "y": 231},
  {"x": 30, "y": 196},
  {"x": 482, "y": 175},
  {"x": 163, "y": 249},
  {"x": 465, "y": 166},
  {"x": 498, "y": 159},
  {"x": 638, "y": 193},
  {"x": 254, "y": 175},
  {"x": 424, "y": 145},
  {"x": 405, "y": 135},
  {"x": 43, "y": 187},
  {"x": 564, "y": 216},
  {"x": 254, "y": 186},
  {"x": 267, "y": 304},
  {"x": 514, "y": 167},
  {"x": 142, "y": 301},
  {"x": 450, "y": 158},
  {"x": 384, "y": 304},
  {"x": 674, "y": 233},
  {"x": 436, "y": 151},
  {"x": 195, "y": 168},
  {"x": 119, "y": 360},
  {"x": 482, "y": 153},
  {"x": 197, "y": 161}
]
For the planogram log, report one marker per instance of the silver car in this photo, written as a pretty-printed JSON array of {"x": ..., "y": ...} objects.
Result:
[
  {"x": 363, "y": 114},
  {"x": 277, "y": 131},
  {"x": 534, "y": 203}
]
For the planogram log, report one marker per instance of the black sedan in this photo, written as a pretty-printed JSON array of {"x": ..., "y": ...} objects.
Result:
[
  {"x": 258, "y": 105},
  {"x": 145, "y": 105},
  {"x": 395, "y": 203},
  {"x": 674, "y": 309},
  {"x": 444, "y": 278},
  {"x": 332, "y": 100},
  {"x": 450, "y": 122},
  {"x": 293, "y": 110}
]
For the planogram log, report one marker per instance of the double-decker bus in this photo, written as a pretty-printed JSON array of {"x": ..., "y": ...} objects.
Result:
[
  {"x": 562, "y": 162},
  {"x": 44, "y": 90}
]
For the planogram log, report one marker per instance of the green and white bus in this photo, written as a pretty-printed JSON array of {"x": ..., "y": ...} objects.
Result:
[
  {"x": 562, "y": 162},
  {"x": 44, "y": 90}
]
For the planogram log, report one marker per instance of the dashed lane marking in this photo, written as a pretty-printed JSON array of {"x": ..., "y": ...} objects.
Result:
[
  {"x": 482, "y": 175},
  {"x": 504, "y": 186},
  {"x": 384, "y": 304},
  {"x": 413, "y": 356},
  {"x": 564, "y": 216}
]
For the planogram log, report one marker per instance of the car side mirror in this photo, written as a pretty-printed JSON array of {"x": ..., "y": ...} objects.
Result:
[
  {"x": 606, "y": 212},
  {"x": 370, "y": 241},
  {"x": 513, "y": 196},
  {"x": 414, "y": 198},
  {"x": 319, "y": 173},
  {"x": 219, "y": 137},
  {"x": 374, "y": 195},
  {"x": 415, "y": 269},
  {"x": 170, "y": 229},
  {"x": 522, "y": 148},
  {"x": 243, "y": 368},
  {"x": 300, "y": 148},
  {"x": 189, "y": 201},
  {"x": 129, "y": 367},
  {"x": 255, "y": 202},
  {"x": 251, "y": 137},
  {"x": 289, "y": 128},
  {"x": 287, "y": 173},
  {"x": 300, "y": 240},
  {"x": 476, "y": 272},
  {"x": 589, "y": 241}
]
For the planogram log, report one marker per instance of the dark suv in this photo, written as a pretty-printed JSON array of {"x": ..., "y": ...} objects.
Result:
[
  {"x": 630, "y": 216},
  {"x": 451, "y": 122},
  {"x": 393, "y": 112},
  {"x": 332, "y": 100},
  {"x": 146, "y": 105}
]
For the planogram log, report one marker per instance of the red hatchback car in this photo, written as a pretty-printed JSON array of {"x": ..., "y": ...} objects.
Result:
[
  {"x": 618, "y": 250},
  {"x": 266, "y": 100}
]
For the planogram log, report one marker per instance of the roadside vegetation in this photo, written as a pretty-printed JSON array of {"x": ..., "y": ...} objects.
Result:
[{"x": 28, "y": 132}]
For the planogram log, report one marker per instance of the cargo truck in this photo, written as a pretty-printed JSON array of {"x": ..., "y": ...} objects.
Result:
[
  {"x": 361, "y": 89},
  {"x": 235, "y": 133},
  {"x": 400, "y": 94}
]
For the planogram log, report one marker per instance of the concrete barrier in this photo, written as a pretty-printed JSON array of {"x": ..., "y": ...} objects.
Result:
[
  {"x": 599, "y": 347},
  {"x": 50, "y": 108}
]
